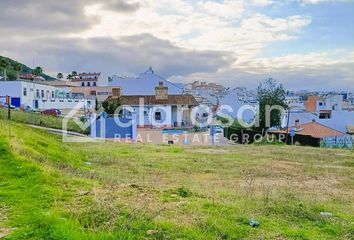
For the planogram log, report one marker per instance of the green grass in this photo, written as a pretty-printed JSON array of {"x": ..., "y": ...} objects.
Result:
[
  {"x": 55, "y": 190},
  {"x": 41, "y": 120}
]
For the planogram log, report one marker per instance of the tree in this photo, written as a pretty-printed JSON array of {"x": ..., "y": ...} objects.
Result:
[
  {"x": 4, "y": 65},
  {"x": 17, "y": 68},
  {"x": 37, "y": 71},
  {"x": 74, "y": 73},
  {"x": 69, "y": 77},
  {"x": 60, "y": 76},
  {"x": 97, "y": 105},
  {"x": 110, "y": 105},
  {"x": 271, "y": 96}
]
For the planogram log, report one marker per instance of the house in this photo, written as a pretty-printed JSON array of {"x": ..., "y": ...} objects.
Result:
[
  {"x": 327, "y": 110},
  {"x": 324, "y": 105},
  {"x": 312, "y": 133},
  {"x": 86, "y": 79},
  {"x": 101, "y": 93},
  {"x": 144, "y": 84},
  {"x": 35, "y": 95},
  {"x": 213, "y": 87},
  {"x": 161, "y": 109},
  {"x": 30, "y": 76},
  {"x": 88, "y": 85}
]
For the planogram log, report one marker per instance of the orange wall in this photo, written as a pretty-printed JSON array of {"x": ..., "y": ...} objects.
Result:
[{"x": 310, "y": 104}]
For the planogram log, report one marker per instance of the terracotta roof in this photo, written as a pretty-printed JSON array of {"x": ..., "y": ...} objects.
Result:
[
  {"x": 76, "y": 79},
  {"x": 89, "y": 74},
  {"x": 313, "y": 129},
  {"x": 151, "y": 100}
]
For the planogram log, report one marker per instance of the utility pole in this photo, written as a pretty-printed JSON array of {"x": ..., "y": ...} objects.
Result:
[{"x": 287, "y": 126}]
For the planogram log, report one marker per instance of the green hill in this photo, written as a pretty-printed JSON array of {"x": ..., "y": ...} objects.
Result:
[
  {"x": 51, "y": 189},
  {"x": 11, "y": 73}
]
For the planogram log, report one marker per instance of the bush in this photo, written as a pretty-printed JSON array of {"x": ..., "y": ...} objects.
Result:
[{"x": 183, "y": 192}]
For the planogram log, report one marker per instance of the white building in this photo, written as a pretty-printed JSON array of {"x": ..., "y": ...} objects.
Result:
[
  {"x": 326, "y": 110},
  {"x": 86, "y": 79},
  {"x": 144, "y": 84},
  {"x": 40, "y": 96},
  {"x": 160, "y": 109}
]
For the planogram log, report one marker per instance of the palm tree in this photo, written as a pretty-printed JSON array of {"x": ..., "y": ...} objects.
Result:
[
  {"x": 4, "y": 65},
  {"x": 60, "y": 76},
  {"x": 69, "y": 77},
  {"x": 73, "y": 73},
  {"x": 17, "y": 68},
  {"x": 38, "y": 71}
]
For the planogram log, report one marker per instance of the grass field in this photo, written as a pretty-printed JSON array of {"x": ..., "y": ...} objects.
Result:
[
  {"x": 41, "y": 120},
  {"x": 55, "y": 190}
]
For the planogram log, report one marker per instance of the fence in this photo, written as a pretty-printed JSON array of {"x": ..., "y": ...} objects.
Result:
[{"x": 38, "y": 119}]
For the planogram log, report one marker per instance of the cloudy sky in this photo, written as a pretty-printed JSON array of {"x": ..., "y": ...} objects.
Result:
[{"x": 305, "y": 44}]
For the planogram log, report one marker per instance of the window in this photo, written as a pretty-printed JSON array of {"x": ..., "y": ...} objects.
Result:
[
  {"x": 320, "y": 103},
  {"x": 37, "y": 93},
  {"x": 88, "y": 84},
  {"x": 82, "y": 84},
  {"x": 94, "y": 84},
  {"x": 325, "y": 116},
  {"x": 42, "y": 93},
  {"x": 158, "y": 116},
  {"x": 53, "y": 96},
  {"x": 24, "y": 91}
]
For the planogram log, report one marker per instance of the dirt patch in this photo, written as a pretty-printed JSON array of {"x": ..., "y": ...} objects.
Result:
[
  {"x": 4, "y": 232},
  {"x": 210, "y": 151}
]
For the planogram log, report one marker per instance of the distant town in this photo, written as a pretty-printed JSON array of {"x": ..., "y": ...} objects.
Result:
[{"x": 320, "y": 115}]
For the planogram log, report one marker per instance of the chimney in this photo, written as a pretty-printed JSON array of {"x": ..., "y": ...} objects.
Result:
[
  {"x": 161, "y": 92},
  {"x": 116, "y": 92},
  {"x": 297, "y": 123}
]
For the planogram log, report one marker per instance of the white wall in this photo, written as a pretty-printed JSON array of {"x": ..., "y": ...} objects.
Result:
[
  {"x": 327, "y": 104},
  {"x": 66, "y": 103},
  {"x": 339, "y": 119},
  {"x": 166, "y": 113}
]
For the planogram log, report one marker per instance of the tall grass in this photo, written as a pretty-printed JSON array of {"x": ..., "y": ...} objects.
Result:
[{"x": 39, "y": 119}]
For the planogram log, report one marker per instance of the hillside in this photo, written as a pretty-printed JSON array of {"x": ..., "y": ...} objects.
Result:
[
  {"x": 55, "y": 190},
  {"x": 11, "y": 73}
]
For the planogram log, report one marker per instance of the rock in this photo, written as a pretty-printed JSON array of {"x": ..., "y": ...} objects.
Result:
[
  {"x": 152, "y": 232},
  {"x": 326, "y": 214},
  {"x": 88, "y": 163},
  {"x": 254, "y": 223}
]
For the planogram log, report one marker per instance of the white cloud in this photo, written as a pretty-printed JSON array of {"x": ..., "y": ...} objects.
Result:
[
  {"x": 178, "y": 29},
  {"x": 228, "y": 9}
]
